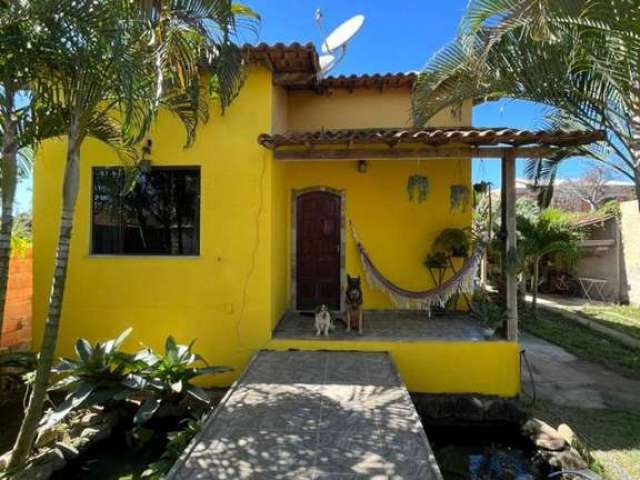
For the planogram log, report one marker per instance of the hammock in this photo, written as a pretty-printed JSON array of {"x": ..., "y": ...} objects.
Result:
[{"x": 461, "y": 282}]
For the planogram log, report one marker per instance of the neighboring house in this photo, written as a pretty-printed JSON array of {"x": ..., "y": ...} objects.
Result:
[
  {"x": 219, "y": 241},
  {"x": 610, "y": 252},
  {"x": 601, "y": 256},
  {"x": 630, "y": 252}
]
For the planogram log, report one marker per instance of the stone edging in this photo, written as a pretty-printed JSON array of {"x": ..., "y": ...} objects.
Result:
[
  {"x": 67, "y": 441},
  {"x": 554, "y": 449}
]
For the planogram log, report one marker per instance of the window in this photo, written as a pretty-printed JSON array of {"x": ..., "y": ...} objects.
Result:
[{"x": 159, "y": 215}]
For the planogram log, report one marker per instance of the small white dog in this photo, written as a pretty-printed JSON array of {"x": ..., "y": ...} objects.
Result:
[{"x": 323, "y": 320}]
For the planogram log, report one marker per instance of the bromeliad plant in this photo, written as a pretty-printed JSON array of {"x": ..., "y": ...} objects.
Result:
[
  {"x": 103, "y": 375},
  {"x": 96, "y": 376},
  {"x": 167, "y": 378}
]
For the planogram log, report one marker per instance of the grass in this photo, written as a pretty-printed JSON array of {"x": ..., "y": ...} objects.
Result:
[
  {"x": 612, "y": 436},
  {"x": 583, "y": 342},
  {"x": 623, "y": 318}
]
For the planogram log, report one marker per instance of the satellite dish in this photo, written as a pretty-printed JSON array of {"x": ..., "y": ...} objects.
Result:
[
  {"x": 341, "y": 35},
  {"x": 336, "y": 40}
]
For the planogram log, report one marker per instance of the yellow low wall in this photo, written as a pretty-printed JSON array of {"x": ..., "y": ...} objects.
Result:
[{"x": 487, "y": 368}]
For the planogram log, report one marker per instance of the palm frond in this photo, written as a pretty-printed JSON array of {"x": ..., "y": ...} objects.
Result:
[{"x": 108, "y": 130}]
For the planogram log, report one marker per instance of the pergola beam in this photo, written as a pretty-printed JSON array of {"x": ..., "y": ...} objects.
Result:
[{"x": 311, "y": 154}]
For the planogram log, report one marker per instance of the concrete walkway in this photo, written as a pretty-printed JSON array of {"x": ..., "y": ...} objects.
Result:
[
  {"x": 565, "y": 379},
  {"x": 312, "y": 415}
]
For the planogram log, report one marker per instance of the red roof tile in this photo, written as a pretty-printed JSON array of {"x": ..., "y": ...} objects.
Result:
[
  {"x": 301, "y": 60},
  {"x": 434, "y": 137}
]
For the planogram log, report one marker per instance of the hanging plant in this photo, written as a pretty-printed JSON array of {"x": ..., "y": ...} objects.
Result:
[
  {"x": 481, "y": 187},
  {"x": 459, "y": 198},
  {"x": 418, "y": 188}
]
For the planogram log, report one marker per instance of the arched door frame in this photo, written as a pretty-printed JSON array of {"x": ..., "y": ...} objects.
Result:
[{"x": 295, "y": 193}]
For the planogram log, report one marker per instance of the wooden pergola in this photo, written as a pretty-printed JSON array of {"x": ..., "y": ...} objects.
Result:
[{"x": 504, "y": 144}]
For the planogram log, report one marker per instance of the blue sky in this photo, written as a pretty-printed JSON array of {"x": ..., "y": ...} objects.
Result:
[{"x": 396, "y": 37}]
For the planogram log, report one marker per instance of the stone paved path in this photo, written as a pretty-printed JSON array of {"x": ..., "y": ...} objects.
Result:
[
  {"x": 313, "y": 415},
  {"x": 567, "y": 380}
]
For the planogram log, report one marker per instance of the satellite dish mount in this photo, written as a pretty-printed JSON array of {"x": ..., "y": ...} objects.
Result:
[{"x": 334, "y": 45}]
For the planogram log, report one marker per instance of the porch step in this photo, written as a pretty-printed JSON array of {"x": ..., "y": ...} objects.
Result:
[{"x": 312, "y": 415}]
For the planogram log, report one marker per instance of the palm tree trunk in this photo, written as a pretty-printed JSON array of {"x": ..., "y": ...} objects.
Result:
[
  {"x": 22, "y": 447},
  {"x": 634, "y": 127},
  {"x": 9, "y": 180},
  {"x": 534, "y": 290}
]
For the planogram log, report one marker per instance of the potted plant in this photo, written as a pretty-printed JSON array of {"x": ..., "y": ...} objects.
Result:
[
  {"x": 436, "y": 260},
  {"x": 454, "y": 242}
]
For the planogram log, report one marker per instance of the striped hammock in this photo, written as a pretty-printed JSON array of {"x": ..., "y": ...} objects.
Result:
[{"x": 463, "y": 281}]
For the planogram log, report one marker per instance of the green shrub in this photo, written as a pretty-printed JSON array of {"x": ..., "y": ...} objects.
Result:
[
  {"x": 168, "y": 377},
  {"x": 177, "y": 443},
  {"x": 103, "y": 375},
  {"x": 455, "y": 242}
]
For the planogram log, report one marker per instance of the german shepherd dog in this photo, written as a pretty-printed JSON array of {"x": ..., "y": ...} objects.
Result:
[{"x": 353, "y": 300}]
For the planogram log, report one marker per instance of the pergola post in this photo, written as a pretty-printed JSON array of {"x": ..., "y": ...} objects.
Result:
[{"x": 508, "y": 206}]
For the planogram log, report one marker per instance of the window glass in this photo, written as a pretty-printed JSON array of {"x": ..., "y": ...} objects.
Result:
[{"x": 158, "y": 215}]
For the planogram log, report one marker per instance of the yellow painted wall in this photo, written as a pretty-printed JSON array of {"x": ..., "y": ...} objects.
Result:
[
  {"x": 232, "y": 294},
  {"x": 364, "y": 108},
  {"x": 222, "y": 297},
  {"x": 397, "y": 233},
  {"x": 488, "y": 368},
  {"x": 280, "y": 208}
]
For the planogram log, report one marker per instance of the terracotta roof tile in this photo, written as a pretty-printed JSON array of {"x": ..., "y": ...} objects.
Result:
[
  {"x": 379, "y": 81},
  {"x": 280, "y": 57},
  {"x": 301, "y": 60},
  {"x": 434, "y": 137}
]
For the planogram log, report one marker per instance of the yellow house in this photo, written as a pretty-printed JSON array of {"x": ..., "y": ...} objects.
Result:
[{"x": 223, "y": 241}]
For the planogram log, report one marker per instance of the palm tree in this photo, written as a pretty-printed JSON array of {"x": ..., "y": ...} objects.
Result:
[
  {"x": 16, "y": 71},
  {"x": 580, "y": 58},
  {"x": 109, "y": 83},
  {"x": 542, "y": 235}
]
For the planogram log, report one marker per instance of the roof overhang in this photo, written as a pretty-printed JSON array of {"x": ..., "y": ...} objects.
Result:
[
  {"x": 296, "y": 66},
  {"x": 393, "y": 143}
]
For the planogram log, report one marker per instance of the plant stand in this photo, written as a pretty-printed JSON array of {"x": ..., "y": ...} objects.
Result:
[{"x": 437, "y": 275}]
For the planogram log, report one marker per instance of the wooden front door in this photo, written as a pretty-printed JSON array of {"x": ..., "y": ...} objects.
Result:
[{"x": 318, "y": 250}]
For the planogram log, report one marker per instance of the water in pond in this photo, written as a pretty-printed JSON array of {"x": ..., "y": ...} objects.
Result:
[
  {"x": 122, "y": 456},
  {"x": 481, "y": 452}
]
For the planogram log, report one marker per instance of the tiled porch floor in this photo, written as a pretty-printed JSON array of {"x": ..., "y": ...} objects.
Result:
[{"x": 387, "y": 326}]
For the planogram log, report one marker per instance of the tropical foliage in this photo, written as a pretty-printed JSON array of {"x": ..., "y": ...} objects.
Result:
[
  {"x": 109, "y": 83},
  {"x": 550, "y": 232},
  {"x": 102, "y": 374},
  {"x": 579, "y": 58},
  {"x": 454, "y": 242},
  {"x": 168, "y": 377},
  {"x": 17, "y": 67},
  {"x": 21, "y": 236},
  {"x": 14, "y": 366},
  {"x": 176, "y": 445}
]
